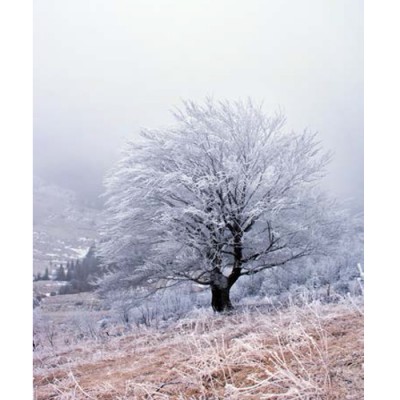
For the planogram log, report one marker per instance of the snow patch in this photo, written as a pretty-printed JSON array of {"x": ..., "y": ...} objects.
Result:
[{"x": 80, "y": 251}]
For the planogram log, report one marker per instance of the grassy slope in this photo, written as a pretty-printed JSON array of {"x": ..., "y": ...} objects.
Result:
[{"x": 313, "y": 352}]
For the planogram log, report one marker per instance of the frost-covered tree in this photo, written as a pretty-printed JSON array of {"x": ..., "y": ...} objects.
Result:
[{"x": 222, "y": 194}]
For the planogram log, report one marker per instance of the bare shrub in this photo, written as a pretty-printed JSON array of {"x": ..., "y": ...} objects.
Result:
[{"x": 85, "y": 325}]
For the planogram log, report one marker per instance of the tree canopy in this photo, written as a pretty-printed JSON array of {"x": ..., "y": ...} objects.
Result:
[{"x": 223, "y": 193}]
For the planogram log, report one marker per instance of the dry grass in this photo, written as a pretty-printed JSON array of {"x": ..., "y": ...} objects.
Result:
[{"x": 312, "y": 352}]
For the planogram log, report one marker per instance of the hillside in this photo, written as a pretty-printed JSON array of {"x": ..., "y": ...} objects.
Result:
[
  {"x": 63, "y": 226},
  {"x": 309, "y": 352}
]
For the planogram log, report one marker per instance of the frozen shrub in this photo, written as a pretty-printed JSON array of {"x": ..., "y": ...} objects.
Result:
[
  {"x": 85, "y": 325},
  {"x": 341, "y": 287},
  {"x": 249, "y": 286},
  {"x": 355, "y": 289}
]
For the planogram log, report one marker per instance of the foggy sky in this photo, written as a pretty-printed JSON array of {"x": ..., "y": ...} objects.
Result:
[{"x": 105, "y": 68}]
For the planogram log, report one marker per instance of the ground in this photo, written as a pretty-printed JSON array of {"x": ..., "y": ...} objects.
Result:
[{"x": 310, "y": 352}]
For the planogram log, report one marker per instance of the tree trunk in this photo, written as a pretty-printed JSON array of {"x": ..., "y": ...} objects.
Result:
[
  {"x": 220, "y": 288},
  {"x": 220, "y": 300}
]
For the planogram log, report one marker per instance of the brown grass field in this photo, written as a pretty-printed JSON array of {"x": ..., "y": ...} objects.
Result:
[{"x": 309, "y": 352}]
